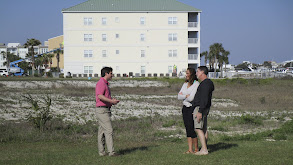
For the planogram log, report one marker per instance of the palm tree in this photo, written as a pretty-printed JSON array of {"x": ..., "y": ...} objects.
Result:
[
  {"x": 226, "y": 58},
  {"x": 30, "y": 43},
  {"x": 50, "y": 56},
  {"x": 205, "y": 54},
  {"x": 45, "y": 60},
  {"x": 58, "y": 52},
  {"x": 215, "y": 50},
  {"x": 38, "y": 63}
]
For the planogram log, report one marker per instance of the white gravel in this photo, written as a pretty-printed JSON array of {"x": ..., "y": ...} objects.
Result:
[{"x": 60, "y": 84}]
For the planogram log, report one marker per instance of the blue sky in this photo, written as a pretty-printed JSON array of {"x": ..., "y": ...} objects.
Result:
[{"x": 252, "y": 30}]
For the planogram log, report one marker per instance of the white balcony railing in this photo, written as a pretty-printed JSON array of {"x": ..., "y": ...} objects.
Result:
[
  {"x": 192, "y": 40},
  {"x": 192, "y": 24},
  {"x": 192, "y": 56}
]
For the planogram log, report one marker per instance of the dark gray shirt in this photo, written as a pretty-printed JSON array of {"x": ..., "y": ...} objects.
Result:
[{"x": 203, "y": 96}]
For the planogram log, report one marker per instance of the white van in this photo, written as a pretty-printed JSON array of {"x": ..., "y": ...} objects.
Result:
[{"x": 3, "y": 72}]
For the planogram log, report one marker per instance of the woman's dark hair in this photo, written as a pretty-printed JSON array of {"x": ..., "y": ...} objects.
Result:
[
  {"x": 192, "y": 76},
  {"x": 106, "y": 70}
]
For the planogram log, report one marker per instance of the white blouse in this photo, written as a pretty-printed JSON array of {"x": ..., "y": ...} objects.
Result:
[{"x": 191, "y": 91}]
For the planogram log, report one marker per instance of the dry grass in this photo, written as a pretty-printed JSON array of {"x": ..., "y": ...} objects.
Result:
[{"x": 277, "y": 95}]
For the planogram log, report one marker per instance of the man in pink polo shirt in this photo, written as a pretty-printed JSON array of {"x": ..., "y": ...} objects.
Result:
[{"x": 104, "y": 101}]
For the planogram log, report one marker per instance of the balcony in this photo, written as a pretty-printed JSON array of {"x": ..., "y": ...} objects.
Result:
[
  {"x": 192, "y": 56},
  {"x": 192, "y": 40},
  {"x": 192, "y": 24}
]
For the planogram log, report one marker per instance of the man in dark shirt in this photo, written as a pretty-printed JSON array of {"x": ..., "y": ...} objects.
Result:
[{"x": 202, "y": 104}]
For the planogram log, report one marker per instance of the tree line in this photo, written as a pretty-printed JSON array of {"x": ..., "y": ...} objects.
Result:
[{"x": 34, "y": 62}]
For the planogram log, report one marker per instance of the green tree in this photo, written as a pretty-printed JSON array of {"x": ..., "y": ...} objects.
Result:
[
  {"x": 267, "y": 64},
  {"x": 30, "y": 43},
  {"x": 9, "y": 58},
  {"x": 225, "y": 55},
  {"x": 58, "y": 52},
  {"x": 38, "y": 63},
  {"x": 50, "y": 57},
  {"x": 215, "y": 51},
  {"x": 25, "y": 66},
  {"x": 205, "y": 54}
]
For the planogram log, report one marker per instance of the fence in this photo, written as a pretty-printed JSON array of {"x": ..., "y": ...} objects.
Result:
[{"x": 248, "y": 75}]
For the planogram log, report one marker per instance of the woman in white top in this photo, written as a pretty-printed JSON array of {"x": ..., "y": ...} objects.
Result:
[{"x": 187, "y": 94}]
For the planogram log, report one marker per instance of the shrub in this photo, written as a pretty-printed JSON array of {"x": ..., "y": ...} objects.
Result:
[
  {"x": 61, "y": 75},
  {"x": 49, "y": 74},
  {"x": 40, "y": 114},
  {"x": 279, "y": 136},
  {"x": 248, "y": 119}
]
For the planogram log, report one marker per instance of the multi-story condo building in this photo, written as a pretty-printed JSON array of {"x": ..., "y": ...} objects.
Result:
[{"x": 139, "y": 36}]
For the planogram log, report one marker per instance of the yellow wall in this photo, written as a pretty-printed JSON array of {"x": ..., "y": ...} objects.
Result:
[{"x": 54, "y": 43}]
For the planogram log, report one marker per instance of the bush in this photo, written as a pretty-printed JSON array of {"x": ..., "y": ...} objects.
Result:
[
  {"x": 279, "y": 136},
  {"x": 61, "y": 75},
  {"x": 49, "y": 74},
  {"x": 40, "y": 114},
  {"x": 248, "y": 119}
]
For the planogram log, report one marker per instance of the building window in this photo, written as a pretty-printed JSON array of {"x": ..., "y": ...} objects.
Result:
[
  {"x": 117, "y": 51},
  {"x": 172, "y": 20},
  {"x": 104, "y": 21},
  {"x": 172, "y": 36},
  {"x": 170, "y": 69},
  {"x": 88, "y": 53},
  {"x": 88, "y": 37},
  {"x": 88, "y": 69},
  {"x": 104, "y": 37},
  {"x": 117, "y": 35},
  {"x": 142, "y": 20},
  {"x": 117, "y": 20},
  {"x": 172, "y": 53},
  {"x": 142, "y": 53},
  {"x": 142, "y": 37},
  {"x": 117, "y": 69},
  {"x": 104, "y": 53},
  {"x": 142, "y": 69},
  {"x": 87, "y": 21}
]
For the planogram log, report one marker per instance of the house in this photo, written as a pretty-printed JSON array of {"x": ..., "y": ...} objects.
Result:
[
  {"x": 145, "y": 37},
  {"x": 3, "y": 48}
]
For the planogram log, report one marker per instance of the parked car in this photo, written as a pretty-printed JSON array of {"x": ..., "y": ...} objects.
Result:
[{"x": 3, "y": 72}]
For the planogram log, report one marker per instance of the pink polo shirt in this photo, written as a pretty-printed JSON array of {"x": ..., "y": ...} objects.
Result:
[{"x": 102, "y": 89}]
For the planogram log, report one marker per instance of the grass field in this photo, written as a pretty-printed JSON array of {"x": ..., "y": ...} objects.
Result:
[{"x": 250, "y": 123}]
